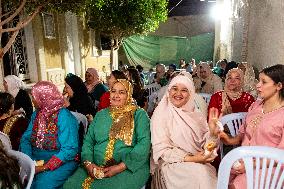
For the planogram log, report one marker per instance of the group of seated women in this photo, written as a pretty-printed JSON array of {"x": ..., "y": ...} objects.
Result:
[{"x": 116, "y": 148}]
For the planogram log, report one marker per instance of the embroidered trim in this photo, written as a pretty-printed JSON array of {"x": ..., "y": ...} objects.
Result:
[
  {"x": 54, "y": 163},
  {"x": 10, "y": 123}
]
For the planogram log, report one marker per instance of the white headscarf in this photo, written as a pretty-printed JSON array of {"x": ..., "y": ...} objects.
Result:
[
  {"x": 14, "y": 84},
  {"x": 187, "y": 127}
]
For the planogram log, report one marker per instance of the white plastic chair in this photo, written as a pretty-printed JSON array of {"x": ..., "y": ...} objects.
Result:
[
  {"x": 27, "y": 166},
  {"x": 257, "y": 178},
  {"x": 206, "y": 97},
  {"x": 233, "y": 122},
  {"x": 152, "y": 88},
  {"x": 5, "y": 141},
  {"x": 81, "y": 119}
]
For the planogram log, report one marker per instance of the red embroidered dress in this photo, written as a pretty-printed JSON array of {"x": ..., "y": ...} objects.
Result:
[{"x": 241, "y": 104}]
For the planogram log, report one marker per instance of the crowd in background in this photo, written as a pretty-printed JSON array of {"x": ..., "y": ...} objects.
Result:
[{"x": 139, "y": 128}]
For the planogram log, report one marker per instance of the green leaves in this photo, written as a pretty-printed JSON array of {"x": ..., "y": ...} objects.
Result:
[{"x": 123, "y": 18}]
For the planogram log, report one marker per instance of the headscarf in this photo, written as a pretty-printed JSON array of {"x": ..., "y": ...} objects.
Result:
[
  {"x": 249, "y": 78},
  {"x": 49, "y": 101},
  {"x": 95, "y": 75},
  {"x": 234, "y": 95},
  {"x": 186, "y": 125},
  {"x": 122, "y": 121},
  {"x": 14, "y": 84},
  {"x": 205, "y": 67},
  {"x": 76, "y": 84}
]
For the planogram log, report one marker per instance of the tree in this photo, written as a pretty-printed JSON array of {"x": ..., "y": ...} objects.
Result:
[
  {"x": 118, "y": 19},
  {"x": 25, "y": 11}
]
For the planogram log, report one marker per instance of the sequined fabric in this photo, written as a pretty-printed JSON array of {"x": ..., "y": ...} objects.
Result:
[
  {"x": 48, "y": 100},
  {"x": 122, "y": 128}
]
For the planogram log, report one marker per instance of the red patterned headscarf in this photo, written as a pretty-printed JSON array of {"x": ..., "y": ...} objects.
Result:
[{"x": 48, "y": 100}]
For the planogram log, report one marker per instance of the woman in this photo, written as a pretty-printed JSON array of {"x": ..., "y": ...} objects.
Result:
[
  {"x": 105, "y": 101},
  {"x": 249, "y": 78},
  {"x": 9, "y": 172},
  {"x": 264, "y": 122},
  {"x": 116, "y": 148},
  {"x": 139, "y": 94},
  {"x": 206, "y": 81},
  {"x": 12, "y": 125},
  {"x": 77, "y": 95},
  {"x": 23, "y": 103},
  {"x": 52, "y": 137},
  {"x": 232, "y": 99},
  {"x": 95, "y": 88},
  {"x": 179, "y": 136}
]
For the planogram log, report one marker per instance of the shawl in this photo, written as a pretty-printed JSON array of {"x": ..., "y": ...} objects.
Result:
[
  {"x": 48, "y": 100},
  {"x": 95, "y": 75},
  {"x": 14, "y": 84},
  {"x": 186, "y": 127},
  {"x": 122, "y": 121},
  {"x": 234, "y": 95}
]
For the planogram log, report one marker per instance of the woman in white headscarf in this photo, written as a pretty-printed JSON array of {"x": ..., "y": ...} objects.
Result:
[
  {"x": 15, "y": 87},
  {"x": 249, "y": 79},
  {"x": 179, "y": 136}
]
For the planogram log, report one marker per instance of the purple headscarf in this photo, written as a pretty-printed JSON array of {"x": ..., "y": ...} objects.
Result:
[{"x": 48, "y": 100}]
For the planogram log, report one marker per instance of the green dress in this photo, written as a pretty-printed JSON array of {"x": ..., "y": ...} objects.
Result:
[{"x": 136, "y": 156}]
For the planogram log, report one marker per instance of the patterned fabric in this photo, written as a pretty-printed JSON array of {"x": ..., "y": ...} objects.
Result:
[
  {"x": 50, "y": 134},
  {"x": 54, "y": 163},
  {"x": 14, "y": 84},
  {"x": 48, "y": 100}
]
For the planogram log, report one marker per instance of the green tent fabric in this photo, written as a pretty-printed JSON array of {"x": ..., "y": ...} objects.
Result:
[{"x": 148, "y": 50}]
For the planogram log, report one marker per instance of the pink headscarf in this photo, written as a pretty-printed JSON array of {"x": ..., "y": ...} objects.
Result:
[
  {"x": 95, "y": 75},
  {"x": 186, "y": 126},
  {"x": 48, "y": 101}
]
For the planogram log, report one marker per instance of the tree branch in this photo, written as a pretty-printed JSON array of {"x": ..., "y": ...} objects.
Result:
[
  {"x": 10, "y": 42},
  {"x": 18, "y": 10},
  {"x": 6, "y": 14},
  {"x": 22, "y": 24}
]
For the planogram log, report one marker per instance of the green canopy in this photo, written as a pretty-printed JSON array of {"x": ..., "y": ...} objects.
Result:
[{"x": 150, "y": 49}]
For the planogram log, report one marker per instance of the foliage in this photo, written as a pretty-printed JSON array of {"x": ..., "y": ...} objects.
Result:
[{"x": 123, "y": 18}]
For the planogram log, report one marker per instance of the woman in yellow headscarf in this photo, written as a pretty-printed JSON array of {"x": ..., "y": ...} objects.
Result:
[{"x": 116, "y": 149}]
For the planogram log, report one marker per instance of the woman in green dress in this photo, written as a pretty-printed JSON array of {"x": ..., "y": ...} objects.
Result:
[{"x": 116, "y": 149}]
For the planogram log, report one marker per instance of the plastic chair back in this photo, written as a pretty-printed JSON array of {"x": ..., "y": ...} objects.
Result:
[
  {"x": 27, "y": 166},
  {"x": 233, "y": 122},
  {"x": 206, "y": 97},
  {"x": 5, "y": 141},
  {"x": 152, "y": 88},
  {"x": 263, "y": 165}
]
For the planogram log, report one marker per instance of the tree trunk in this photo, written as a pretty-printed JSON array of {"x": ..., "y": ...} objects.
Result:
[
  {"x": 114, "y": 54},
  {"x": 1, "y": 75}
]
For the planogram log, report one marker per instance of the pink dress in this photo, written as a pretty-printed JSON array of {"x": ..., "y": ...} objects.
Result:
[{"x": 261, "y": 130}]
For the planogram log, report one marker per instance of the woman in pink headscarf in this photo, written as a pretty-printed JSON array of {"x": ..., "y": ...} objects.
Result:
[
  {"x": 95, "y": 87},
  {"x": 180, "y": 135},
  {"x": 52, "y": 137}
]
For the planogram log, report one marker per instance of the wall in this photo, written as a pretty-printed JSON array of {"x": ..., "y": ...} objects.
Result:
[
  {"x": 186, "y": 26},
  {"x": 266, "y": 33}
]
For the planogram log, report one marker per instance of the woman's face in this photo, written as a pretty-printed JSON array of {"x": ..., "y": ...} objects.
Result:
[
  {"x": 234, "y": 81},
  {"x": 179, "y": 95},
  {"x": 203, "y": 73},
  {"x": 111, "y": 81},
  {"x": 118, "y": 95},
  {"x": 68, "y": 90},
  {"x": 5, "y": 86},
  {"x": 89, "y": 78},
  {"x": 267, "y": 88}
]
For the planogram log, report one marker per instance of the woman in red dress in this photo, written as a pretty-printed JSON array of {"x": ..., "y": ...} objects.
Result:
[{"x": 232, "y": 99}]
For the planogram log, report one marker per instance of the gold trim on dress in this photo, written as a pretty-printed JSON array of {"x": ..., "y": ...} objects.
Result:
[{"x": 10, "y": 123}]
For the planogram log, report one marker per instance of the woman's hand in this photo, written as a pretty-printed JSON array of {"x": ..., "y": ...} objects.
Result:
[
  {"x": 114, "y": 170},
  {"x": 240, "y": 169},
  {"x": 226, "y": 139},
  {"x": 39, "y": 169},
  {"x": 90, "y": 169},
  {"x": 212, "y": 121},
  {"x": 200, "y": 157}
]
